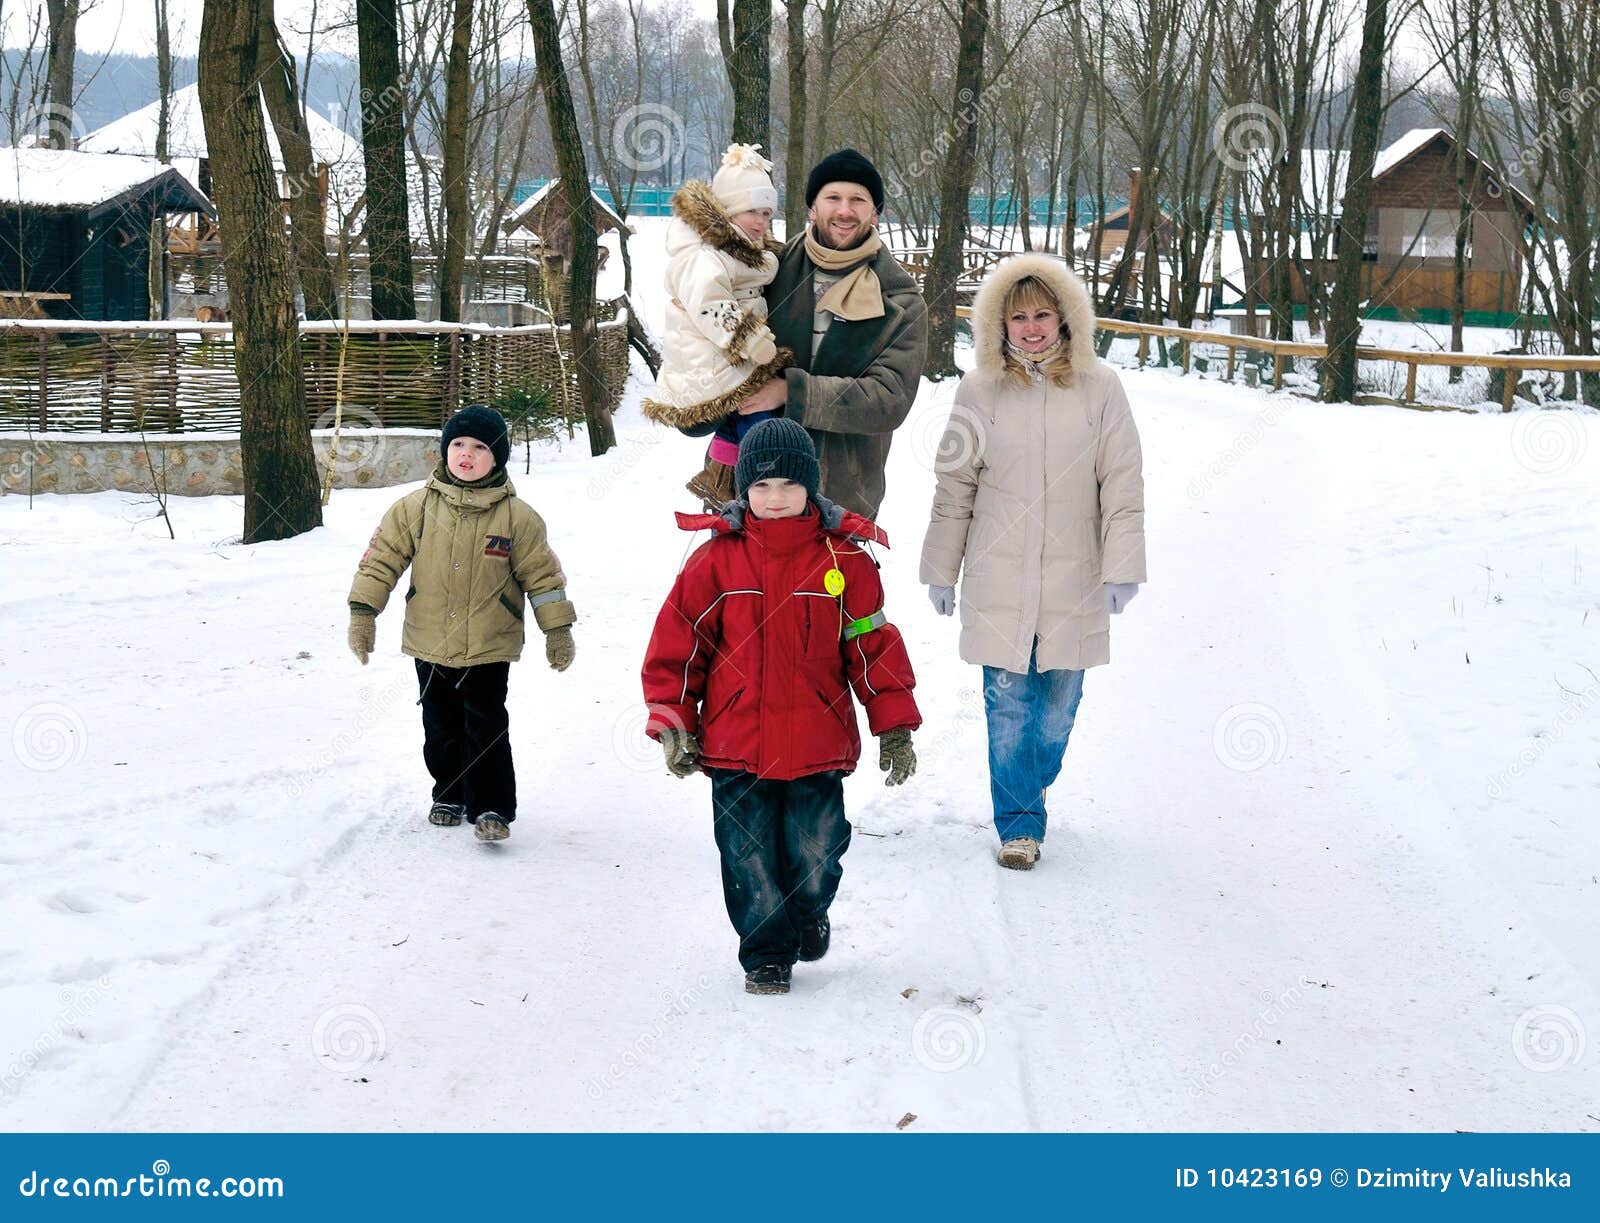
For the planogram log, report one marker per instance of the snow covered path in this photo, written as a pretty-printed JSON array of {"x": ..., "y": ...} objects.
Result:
[{"x": 1309, "y": 867}]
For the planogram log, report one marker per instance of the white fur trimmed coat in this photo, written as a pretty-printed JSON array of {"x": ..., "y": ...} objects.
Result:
[
  {"x": 1040, "y": 491},
  {"x": 716, "y": 315}
]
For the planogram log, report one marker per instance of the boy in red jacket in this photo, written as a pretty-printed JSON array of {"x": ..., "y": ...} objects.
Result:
[{"x": 748, "y": 677}]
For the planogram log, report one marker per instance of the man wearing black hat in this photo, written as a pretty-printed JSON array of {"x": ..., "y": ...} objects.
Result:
[{"x": 858, "y": 327}]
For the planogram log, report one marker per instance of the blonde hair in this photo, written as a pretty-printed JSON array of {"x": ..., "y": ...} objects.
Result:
[{"x": 1027, "y": 294}]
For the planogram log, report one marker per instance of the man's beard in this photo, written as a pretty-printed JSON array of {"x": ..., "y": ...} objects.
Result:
[{"x": 822, "y": 236}]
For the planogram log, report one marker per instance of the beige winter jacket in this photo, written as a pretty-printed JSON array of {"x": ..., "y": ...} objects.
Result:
[
  {"x": 1040, "y": 493},
  {"x": 474, "y": 554},
  {"x": 717, "y": 349}
]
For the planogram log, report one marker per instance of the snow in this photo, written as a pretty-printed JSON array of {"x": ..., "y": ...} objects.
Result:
[
  {"x": 1323, "y": 855},
  {"x": 135, "y": 133},
  {"x": 67, "y": 178}
]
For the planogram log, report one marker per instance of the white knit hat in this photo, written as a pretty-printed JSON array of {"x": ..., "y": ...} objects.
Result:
[{"x": 743, "y": 181}]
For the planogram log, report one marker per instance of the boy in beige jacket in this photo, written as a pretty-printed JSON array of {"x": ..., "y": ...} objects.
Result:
[{"x": 475, "y": 551}]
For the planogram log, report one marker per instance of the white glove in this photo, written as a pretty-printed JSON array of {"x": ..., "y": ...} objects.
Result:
[
  {"x": 943, "y": 599},
  {"x": 1118, "y": 594}
]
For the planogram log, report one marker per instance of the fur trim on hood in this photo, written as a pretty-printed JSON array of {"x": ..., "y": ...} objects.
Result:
[
  {"x": 695, "y": 205},
  {"x": 1077, "y": 310}
]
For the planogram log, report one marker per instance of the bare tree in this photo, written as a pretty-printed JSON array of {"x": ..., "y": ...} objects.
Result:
[
  {"x": 574, "y": 172},
  {"x": 280, "y": 474},
  {"x": 383, "y": 143},
  {"x": 307, "y": 224},
  {"x": 747, "y": 55},
  {"x": 457, "y": 206},
  {"x": 63, "y": 53},
  {"x": 944, "y": 269},
  {"x": 1344, "y": 314}
]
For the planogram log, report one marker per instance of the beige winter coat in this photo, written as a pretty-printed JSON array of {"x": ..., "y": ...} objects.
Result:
[
  {"x": 1040, "y": 495},
  {"x": 716, "y": 315},
  {"x": 474, "y": 555}
]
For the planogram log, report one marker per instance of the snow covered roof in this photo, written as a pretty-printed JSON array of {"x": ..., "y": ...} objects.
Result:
[
  {"x": 186, "y": 133},
  {"x": 1322, "y": 171},
  {"x": 72, "y": 179},
  {"x": 524, "y": 210}
]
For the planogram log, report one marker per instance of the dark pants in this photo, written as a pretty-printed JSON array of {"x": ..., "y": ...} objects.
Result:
[
  {"x": 466, "y": 739},
  {"x": 781, "y": 842}
]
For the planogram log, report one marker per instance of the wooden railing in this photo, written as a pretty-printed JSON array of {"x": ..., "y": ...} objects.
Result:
[
  {"x": 1281, "y": 352},
  {"x": 180, "y": 376}
]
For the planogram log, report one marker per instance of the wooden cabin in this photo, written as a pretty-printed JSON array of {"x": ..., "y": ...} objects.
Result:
[{"x": 75, "y": 231}]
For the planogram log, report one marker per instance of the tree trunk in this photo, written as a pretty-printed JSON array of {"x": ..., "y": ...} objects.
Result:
[
  {"x": 457, "y": 215},
  {"x": 574, "y": 172},
  {"x": 1344, "y": 311},
  {"x": 749, "y": 63},
  {"x": 794, "y": 163},
  {"x": 944, "y": 267},
  {"x": 307, "y": 224},
  {"x": 280, "y": 471},
  {"x": 62, "y": 53},
  {"x": 825, "y": 57},
  {"x": 383, "y": 146}
]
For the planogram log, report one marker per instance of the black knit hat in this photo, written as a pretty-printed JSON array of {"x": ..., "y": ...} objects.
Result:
[
  {"x": 846, "y": 166},
  {"x": 777, "y": 449},
  {"x": 484, "y": 424}
]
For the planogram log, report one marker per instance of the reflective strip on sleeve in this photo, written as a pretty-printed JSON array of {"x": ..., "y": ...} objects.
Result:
[
  {"x": 865, "y": 625},
  {"x": 549, "y": 596}
]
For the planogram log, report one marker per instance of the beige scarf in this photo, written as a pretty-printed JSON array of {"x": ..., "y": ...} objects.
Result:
[{"x": 856, "y": 295}]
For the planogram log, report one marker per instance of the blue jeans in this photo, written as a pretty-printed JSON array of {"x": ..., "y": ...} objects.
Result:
[{"x": 1030, "y": 719}]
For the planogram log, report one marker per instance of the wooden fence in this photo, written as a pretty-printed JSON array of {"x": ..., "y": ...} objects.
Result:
[
  {"x": 180, "y": 377},
  {"x": 1280, "y": 352}
]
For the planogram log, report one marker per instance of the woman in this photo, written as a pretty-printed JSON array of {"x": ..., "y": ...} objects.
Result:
[{"x": 1040, "y": 500}]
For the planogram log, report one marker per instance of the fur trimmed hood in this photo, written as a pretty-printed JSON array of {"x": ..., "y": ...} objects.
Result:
[
  {"x": 1077, "y": 310},
  {"x": 695, "y": 205}
]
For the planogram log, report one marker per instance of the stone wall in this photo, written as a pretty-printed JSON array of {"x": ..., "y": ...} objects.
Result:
[{"x": 198, "y": 464}]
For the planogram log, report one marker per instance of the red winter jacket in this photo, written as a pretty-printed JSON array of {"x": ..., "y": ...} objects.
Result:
[{"x": 753, "y": 656}]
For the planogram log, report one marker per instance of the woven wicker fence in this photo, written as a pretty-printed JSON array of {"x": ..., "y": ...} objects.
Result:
[{"x": 179, "y": 376}]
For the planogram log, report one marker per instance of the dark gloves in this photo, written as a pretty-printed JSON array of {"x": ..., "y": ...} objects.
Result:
[
  {"x": 895, "y": 756},
  {"x": 682, "y": 751}
]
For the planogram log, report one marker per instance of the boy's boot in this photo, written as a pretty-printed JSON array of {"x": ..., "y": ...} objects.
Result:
[
  {"x": 814, "y": 937},
  {"x": 491, "y": 827},
  {"x": 446, "y": 815},
  {"x": 767, "y": 979},
  {"x": 1019, "y": 853}
]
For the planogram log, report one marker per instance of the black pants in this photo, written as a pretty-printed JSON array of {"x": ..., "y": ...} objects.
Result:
[
  {"x": 781, "y": 842},
  {"x": 465, "y": 737}
]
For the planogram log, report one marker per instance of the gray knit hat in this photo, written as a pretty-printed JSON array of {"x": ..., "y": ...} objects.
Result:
[{"x": 777, "y": 449}]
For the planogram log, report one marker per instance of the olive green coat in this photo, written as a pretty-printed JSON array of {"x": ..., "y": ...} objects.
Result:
[{"x": 474, "y": 553}]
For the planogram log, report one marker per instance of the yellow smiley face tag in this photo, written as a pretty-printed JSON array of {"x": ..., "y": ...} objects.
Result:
[{"x": 833, "y": 582}]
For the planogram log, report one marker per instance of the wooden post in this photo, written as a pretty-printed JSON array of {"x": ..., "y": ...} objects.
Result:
[
  {"x": 1144, "y": 348},
  {"x": 452, "y": 381},
  {"x": 1411, "y": 382},
  {"x": 173, "y": 424},
  {"x": 1232, "y": 353},
  {"x": 1185, "y": 348},
  {"x": 382, "y": 337},
  {"x": 105, "y": 385},
  {"x": 1509, "y": 390},
  {"x": 1277, "y": 371},
  {"x": 44, "y": 386}
]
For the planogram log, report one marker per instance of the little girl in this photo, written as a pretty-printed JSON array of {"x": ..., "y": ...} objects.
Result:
[
  {"x": 718, "y": 349},
  {"x": 1041, "y": 514}
]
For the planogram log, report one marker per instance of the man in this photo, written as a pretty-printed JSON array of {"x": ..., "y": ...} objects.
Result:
[{"x": 858, "y": 327}]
